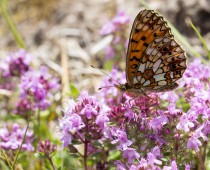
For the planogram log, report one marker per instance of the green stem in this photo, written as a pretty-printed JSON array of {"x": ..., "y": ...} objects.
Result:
[
  {"x": 204, "y": 152},
  {"x": 200, "y": 161},
  {"x": 16, "y": 156},
  {"x": 86, "y": 147},
  {"x": 51, "y": 162},
  {"x": 6, "y": 158},
  {"x": 85, "y": 154},
  {"x": 201, "y": 39},
  {"x": 10, "y": 23}
]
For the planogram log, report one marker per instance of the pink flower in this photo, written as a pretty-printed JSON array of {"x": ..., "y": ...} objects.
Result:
[
  {"x": 86, "y": 117},
  {"x": 194, "y": 142},
  {"x": 16, "y": 64},
  {"x": 39, "y": 86},
  {"x": 151, "y": 158},
  {"x": 89, "y": 111},
  {"x": 118, "y": 136},
  {"x": 158, "y": 122},
  {"x": 130, "y": 154},
  {"x": 184, "y": 124},
  {"x": 101, "y": 120},
  {"x": 115, "y": 24},
  {"x": 173, "y": 166},
  {"x": 11, "y": 138}
]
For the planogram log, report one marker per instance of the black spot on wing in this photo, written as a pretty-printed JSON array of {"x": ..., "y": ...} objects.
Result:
[
  {"x": 143, "y": 38},
  {"x": 135, "y": 58},
  {"x": 146, "y": 45},
  {"x": 134, "y": 41},
  {"x": 135, "y": 51}
]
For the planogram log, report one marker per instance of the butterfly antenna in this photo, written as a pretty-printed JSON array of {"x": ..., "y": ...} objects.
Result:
[
  {"x": 106, "y": 75},
  {"x": 104, "y": 87}
]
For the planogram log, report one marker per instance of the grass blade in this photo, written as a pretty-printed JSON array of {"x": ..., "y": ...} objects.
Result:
[{"x": 11, "y": 24}]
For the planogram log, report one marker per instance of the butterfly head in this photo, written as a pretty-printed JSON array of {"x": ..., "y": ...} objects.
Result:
[{"x": 121, "y": 87}]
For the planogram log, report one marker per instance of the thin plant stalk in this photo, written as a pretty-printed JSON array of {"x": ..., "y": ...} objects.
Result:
[
  {"x": 51, "y": 162},
  {"x": 6, "y": 158},
  {"x": 18, "y": 152},
  {"x": 201, "y": 39},
  {"x": 5, "y": 13},
  {"x": 85, "y": 154}
]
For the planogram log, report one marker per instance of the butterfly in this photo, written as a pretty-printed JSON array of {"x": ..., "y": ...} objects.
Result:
[{"x": 154, "y": 61}]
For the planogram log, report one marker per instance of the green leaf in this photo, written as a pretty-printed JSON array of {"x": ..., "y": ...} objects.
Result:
[
  {"x": 113, "y": 155},
  {"x": 7, "y": 16},
  {"x": 182, "y": 103},
  {"x": 3, "y": 165},
  {"x": 74, "y": 91},
  {"x": 108, "y": 65},
  {"x": 40, "y": 155},
  {"x": 201, "y": 39}
]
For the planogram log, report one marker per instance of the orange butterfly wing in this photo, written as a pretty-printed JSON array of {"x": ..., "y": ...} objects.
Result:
[
  {"x": 162, "y": 64},
  {"x": 147, "y": 26},
  {"x": 155, "y": 61}
]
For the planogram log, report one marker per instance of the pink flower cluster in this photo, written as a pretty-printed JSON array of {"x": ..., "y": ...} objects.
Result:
[
  {"x": 145, "y": 129},
  {"x": 16, "y": 64},
  {"x": 115, "y": 24},
  {"x": 86, "y": 117},
  {"x": 36, "y": 89},
  {"x": 116, "y": 27},
  {"x": 11, "y": 138}
]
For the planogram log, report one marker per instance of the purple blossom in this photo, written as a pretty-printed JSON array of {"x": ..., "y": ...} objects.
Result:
[
  {"x": 130, "y": 154},
  {"x": 69, "y": 125},
  {"x": 109, "y": 52},
  {"x": 115, "y": 24},
  {"x": 85, "y": 117},
  {"x": 39, "y": 85},
  {"x": 46, "y": 147},
  {"x": 206, "y": 127},
  {"x": 110, "y": 95},
  {"x": 7, "y": 85},
  {"x": 89, "y": 111},
  {"x": 107, "y": 28},
  {"x": 12, "y": 139},
  {"x": 129, "y": 112},
  {"x": 101, "y": 120},
  {"x": 198, "y": 106},
  {"x": 150, "y": 163},
  {"x": 184, "y": 124},
  {"x": 24, "y": 106},
  {"x": 169, "y": 96},
  {"x": 120, "y": 19},
  {"x": 194, "y": 142},
  {"x": 151, "y": 159},
  {"x": 173, "y": 166},
  {"x": 187, "y": 167},
  {"x": 143, "y": 164},
  {"x": 158, "y": 122},
  {"x": 156, "y": 152},
  {"x": 16, "y": 64},
  {"x": 74, "y": 122},
  {"x": 120, "y": 165},
  {"x": 195, "y": 78},
  {"x": 197, "y": 70},
  {"x": 119, "y": 137},
  {"x": 66, "y": 138}
]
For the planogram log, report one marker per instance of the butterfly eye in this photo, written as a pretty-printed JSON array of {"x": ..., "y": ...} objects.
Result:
[{"x": 123, "y": 88}]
